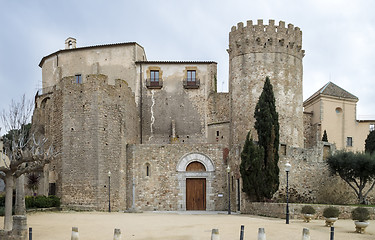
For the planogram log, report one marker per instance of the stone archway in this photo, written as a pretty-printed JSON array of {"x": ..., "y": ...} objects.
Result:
[{"x": 197, "y": 176}]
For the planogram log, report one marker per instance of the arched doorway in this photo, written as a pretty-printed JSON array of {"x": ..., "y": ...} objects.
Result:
[
  {"x": 195, "y": 176},
  {"x": 195, "y": 188}
]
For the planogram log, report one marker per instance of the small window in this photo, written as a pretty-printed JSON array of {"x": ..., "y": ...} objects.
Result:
[
  {"x": 154, "y": 76},
  {"x": 191, "y": 76},
  {"x": 217, "y": 133},
  {"x": 148, "y": 170},
  {"x": 372, "y": 127},
  {"x": 349, "y": 141},
  {"x": 338, "y": 110},
  {"x": 79, "y": 78},
  {"x": 283, "y": 149}
]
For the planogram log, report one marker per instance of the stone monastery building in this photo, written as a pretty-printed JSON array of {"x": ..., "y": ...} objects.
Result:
[{"x": 161, "y": 128}]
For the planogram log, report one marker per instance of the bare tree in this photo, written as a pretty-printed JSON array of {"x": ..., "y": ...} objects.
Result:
[{"x": 26, "y": 151}]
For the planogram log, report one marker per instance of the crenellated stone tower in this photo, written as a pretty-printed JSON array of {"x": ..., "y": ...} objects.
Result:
[{"x": 257, "y": 51}]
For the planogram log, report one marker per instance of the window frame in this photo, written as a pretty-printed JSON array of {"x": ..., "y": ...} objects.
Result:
[
  {"x": 153, "y": 77},
  {"x": 349, "y": 141},
  {"x": 78, "y": 78}
]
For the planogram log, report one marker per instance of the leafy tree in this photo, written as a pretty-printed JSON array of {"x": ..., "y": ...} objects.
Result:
[
  {"x": 325, "y": 137},
  {"x": 370, "y": 143},
  {"x": 267, "y": 126},
  {"x": 251, "y": 169},
  {"x": 356, "y": 169}
]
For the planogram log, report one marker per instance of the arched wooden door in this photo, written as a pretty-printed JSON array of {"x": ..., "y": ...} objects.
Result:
[{"x": 195, "y": 188}]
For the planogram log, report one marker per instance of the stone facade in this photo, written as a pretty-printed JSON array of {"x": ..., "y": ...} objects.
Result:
[
  {"x": 258, "y": 51},
  {"x": 162, "y": 130}
]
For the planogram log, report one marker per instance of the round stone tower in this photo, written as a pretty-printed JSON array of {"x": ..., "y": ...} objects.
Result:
[{"x": 258, "y": 51}]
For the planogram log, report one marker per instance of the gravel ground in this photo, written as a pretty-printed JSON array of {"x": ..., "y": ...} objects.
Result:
[{"x": 182, "y": 226}]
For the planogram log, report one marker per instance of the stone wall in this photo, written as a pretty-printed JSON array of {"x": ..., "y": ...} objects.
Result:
[
  {"x": 310, "y": 180},
  {"x": 278, "y": 210},
  {"x": 91, "y": 124},
  {"x": 173, "y": 102},
  {"x": 163, "y": 187},
  {"x": 255, "y": 52},
  {"x": 19, "y": 229}
]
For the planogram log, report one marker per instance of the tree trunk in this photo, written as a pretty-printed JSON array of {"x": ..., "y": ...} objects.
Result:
[
  {"x": 20, "y": 196},
  {"x": 8, "y": 202}
]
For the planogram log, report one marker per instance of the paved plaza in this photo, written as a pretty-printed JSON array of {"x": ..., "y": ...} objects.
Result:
[{"x": 182, "y": 226}]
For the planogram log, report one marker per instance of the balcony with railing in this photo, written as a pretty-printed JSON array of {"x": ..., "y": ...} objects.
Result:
[
  {"x": 154, "y": 83},
  {"x": 191, "y": 83}
]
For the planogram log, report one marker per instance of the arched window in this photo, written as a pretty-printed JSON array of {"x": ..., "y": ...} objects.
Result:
[{"x": 195, "y": 167}]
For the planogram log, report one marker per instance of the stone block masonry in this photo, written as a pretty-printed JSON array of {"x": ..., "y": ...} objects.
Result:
[{"x": 159, "y": 173}]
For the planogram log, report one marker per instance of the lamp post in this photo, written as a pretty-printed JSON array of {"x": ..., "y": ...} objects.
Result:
[
  {"x": 228, "y": 171},
  {"x": 287, "y": 169},
  {"x": 109, "y": 191}
]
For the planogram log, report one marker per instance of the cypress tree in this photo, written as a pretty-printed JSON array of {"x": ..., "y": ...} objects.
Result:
[
  {"x": 267, "y": 126},
  {"x": 325, "y": 137},
  {"x": 370, "y": 143},
  {"x": 251, "y": 169}
]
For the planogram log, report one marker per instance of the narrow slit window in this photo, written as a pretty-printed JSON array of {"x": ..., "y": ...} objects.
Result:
[
  {"x": 148, "y": 170},
  {"x": 79, "y": 78}
]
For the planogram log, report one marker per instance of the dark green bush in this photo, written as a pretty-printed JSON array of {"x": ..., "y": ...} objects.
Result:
[
  {"x": 360, "y": 214},
  {"x": 2, "y": 200},
  {"x": 42, "y": 202},
  {"x": 331, "y": 212},
  {"x": 307, "y": 210},
  {"x": 55, "y": 201},
  {"x": 2, "y": 211}
]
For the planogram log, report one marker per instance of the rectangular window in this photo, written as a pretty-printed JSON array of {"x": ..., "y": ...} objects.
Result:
[
  {"x": 191, "y": 76},
  {"x": 372, "y": 127},
  {"x": 154, "y": 76},
  {"x": 349, "y": 141},
  {"x": 79, "y": 78}
]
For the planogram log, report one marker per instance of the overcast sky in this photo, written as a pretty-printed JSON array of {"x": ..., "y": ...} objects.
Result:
[{"x": 338, "y": 37}]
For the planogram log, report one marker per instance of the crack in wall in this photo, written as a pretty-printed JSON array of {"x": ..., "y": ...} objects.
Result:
[{"x": 152, "y": 114}]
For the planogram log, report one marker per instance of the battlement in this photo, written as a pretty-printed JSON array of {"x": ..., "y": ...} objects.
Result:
[{"x": 265, "y": 38}]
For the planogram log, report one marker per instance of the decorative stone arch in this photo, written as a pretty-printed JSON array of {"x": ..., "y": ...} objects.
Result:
[
  {"x": 182, "y": 175},
  {"x": 195, "y": 157}
]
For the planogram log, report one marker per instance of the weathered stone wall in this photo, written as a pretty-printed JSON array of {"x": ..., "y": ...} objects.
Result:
[
  {"x": 258, "y": 51},
  {"x": 218, "y": 118},
  {"x": 278, "y": 210},
  {"x": 163, "y": 189},
  {"x": 115, "y": 61},
  {"x": 310, "y": 180},
  {"x": 311, "y": 130},
  {"x": 19, "y": 229},
  {"x": 187, "y": 107},
  {"x": 92, "y": 123},
  {"x": 98, "y": 121}
]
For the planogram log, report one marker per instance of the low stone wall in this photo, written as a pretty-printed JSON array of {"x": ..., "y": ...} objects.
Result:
[
  {"x": 278, "y": 210},
  {"x": 19, "y": 231}
]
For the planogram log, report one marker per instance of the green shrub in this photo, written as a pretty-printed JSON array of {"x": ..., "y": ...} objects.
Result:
[
  {"x": 2, "y": 200},
  {"x": 55, "y": 201},
  {"x": 42, "y": 202},
  {"x": 331, "y": 212},
  {"x": 307, "y": 210},
  {"x": 2, "y": 211},
  {"x": 29, "y": 202},
  {"x": 360, "y": 214}
]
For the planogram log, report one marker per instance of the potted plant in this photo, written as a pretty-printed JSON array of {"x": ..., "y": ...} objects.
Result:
[
  {"x": 360, "y": 216},
  {"x": 331, "y": 214},
  {"x": 308, "y": 212}
]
